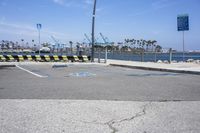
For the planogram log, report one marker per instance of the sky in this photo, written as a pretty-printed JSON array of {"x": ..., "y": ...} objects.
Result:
[{"x": 69, "y": 20}]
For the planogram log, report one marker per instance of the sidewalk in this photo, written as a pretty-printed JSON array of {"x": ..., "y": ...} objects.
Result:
[
  {"x": 82, "y": 116},
  {"x": 190, "y": 68}
]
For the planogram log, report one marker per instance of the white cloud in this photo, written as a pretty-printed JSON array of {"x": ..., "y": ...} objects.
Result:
[
  {"x": 140, "y": 13},
  {"x": 159, "y": 4},
  {"x": 156, "y": 32},
  {"x": 107, "y": 23},
  {"x": 60, "y": 2},
  {"x": 28, "y": 31},
  {"x": 74, "y": 3},
  {"x": 89, "y": 2},
  {"x": 2, "y": 19},
  {"x": 99, "y": 9}
]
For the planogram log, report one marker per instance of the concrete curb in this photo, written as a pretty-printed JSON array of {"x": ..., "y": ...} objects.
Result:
[
  {"x": 2, "y": 66},
  {"x": 48, "y": 63},
  {"x": 157, "y": 69}
]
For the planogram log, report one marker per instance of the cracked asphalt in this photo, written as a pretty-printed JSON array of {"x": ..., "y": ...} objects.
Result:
[
  {"x": 96, "y": 98},
  {"x": 82, "y": 116}
]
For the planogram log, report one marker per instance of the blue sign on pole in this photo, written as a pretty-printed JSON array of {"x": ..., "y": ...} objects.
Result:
[
  {"x": 39, "y": 26},
  {"x": 183, "y": 22}
]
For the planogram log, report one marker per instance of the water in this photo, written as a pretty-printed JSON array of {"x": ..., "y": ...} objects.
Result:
[{"x": 150, "y": 56}]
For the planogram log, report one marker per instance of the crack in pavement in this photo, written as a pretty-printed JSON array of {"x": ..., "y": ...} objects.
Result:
[
  {"x": 110, "y": 125},
  {"x": 139, "y": 114},
  {"x": 112, "y": 122}
]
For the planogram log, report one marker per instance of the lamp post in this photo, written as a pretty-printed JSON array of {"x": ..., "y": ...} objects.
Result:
[
  {"x": 22, "y": 44},
  {"x": 39, "y": 26},
  {"x": 93, "y": 26}
]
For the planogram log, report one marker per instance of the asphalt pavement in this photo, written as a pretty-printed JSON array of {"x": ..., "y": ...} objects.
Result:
[
  {"x": 96, "y": 82},
  {"x": 88, "y": 98}
]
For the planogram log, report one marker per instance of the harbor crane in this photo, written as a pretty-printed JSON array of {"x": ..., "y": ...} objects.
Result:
[
  {"x": 57, "y": 43},
  {"x": 105, "y": 39},
  {"x": 58, "y": 46},
  {"x": 88, "y": 39}
]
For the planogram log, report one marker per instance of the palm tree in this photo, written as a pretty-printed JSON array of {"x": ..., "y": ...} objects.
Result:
[
  {"x": 147, "y": 45},
  {"x": 22, "y": 40},
  {"x": 13, "y": 45},
  {"x": 126, "y": 40},
  {"x": 17, "y": 45},
  {"x": 7, "y": 45},
  {"x": 133, "y": 43},
  {"x": 3, "y": 44},
  {"x": 138, "y": 42},
  {"x": 142, "y": 44},
  {"x": 33, "y": 44},
  {"x": 27, "y": 45},
  {"x": 158, "y": 48},
  {"x": 153, "y": 45},
  {"x": 71, "y": 43},
  {"x": 124, "y": 48}
]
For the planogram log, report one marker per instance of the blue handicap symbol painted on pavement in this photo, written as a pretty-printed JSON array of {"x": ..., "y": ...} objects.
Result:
[{"x": 82, "y": 74}]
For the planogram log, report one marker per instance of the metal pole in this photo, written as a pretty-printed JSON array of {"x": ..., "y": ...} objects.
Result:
[
  {"x": 93, "y": 26},
  {"x": 155, "y": 56},
  {"x": 71, "y": 48},
  {"x": 170, "y": 55},
  {"x": 142, "y": 56},
  {"x": 106, "y": 55},
  {"x": 39, "y": 40},
  {"x": 183, "y": 47},
  {"x": 99, "y": 55}
]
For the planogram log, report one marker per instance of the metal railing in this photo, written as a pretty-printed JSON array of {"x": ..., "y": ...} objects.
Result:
[{"x": 168, "y": 56}]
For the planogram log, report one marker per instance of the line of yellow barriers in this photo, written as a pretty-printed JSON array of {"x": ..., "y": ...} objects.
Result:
[{"x": 44, "y": 58}]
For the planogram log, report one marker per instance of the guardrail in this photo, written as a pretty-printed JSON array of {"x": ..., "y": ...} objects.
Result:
[{"x": 44, "y": 58}]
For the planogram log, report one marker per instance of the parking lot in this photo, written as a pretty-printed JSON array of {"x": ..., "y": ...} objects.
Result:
[{"x": 96, "y": 82}]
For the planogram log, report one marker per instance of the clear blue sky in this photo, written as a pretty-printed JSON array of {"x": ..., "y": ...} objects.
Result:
[{"x": 117, "y": 19}]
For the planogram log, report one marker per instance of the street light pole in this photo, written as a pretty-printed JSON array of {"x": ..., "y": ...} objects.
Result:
[
  {"x": 39, "y": 26},
  {"x": 39, "y": 39},
  {"x": 93, "y": 27},
  {"x": 183, "y": 47}
]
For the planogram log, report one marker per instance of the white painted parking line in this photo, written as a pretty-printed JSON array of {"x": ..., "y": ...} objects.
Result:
[{"x": 31, "y": 72}]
